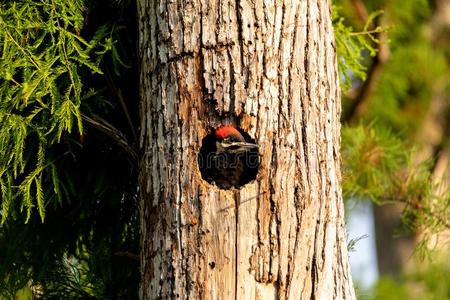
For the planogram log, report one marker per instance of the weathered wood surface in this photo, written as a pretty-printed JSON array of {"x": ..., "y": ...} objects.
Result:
[{"x": 270, "y": 67}]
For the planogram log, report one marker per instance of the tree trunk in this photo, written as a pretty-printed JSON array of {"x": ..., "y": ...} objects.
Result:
[
  {"x": 394, "y": 251},
  {"x": 270, "y": 68}
]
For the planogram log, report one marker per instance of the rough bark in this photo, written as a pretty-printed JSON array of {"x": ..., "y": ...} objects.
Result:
[{"x": 269, "y": 67}]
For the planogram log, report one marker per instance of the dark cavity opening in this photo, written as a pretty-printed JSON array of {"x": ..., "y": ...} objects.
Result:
[{"x": 227, "y": 170}]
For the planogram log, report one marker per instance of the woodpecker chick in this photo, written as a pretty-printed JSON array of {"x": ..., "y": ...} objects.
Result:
[
  {"x": 233, "y": 159},
  {"x": 230, "y": 140}
]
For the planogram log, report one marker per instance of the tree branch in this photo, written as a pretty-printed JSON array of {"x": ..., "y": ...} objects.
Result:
[
  {"x": 113, "y": 133},
  {"x": 417, "y": 205},
  {"x": 361, "y": 10},
  {"x": 118, "y": 92},
  {"x": 127, "y": 255}
]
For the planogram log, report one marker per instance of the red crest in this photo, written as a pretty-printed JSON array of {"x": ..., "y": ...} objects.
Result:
[{"x": 225, "y": 131}]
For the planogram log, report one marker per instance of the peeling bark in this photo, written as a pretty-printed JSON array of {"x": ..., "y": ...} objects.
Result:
[{"x": 270, "y": 68}]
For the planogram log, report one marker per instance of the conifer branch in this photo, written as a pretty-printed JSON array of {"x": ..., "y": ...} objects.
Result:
[{"x": 418, "y": 206}]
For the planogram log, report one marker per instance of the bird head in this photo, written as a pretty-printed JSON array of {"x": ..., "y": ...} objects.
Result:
[{"x": 230, "y": 140}]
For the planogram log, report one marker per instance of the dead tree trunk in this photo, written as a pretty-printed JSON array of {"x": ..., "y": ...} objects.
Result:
[{"x": 269, "y": 68}]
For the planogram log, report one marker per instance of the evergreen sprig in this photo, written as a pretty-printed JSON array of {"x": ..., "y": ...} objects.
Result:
[
  {"x": 43, "y": 58},
  {"x": 352, "y": 46},
  {"x": 379, "y": 166}
]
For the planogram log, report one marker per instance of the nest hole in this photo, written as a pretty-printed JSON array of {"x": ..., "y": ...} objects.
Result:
[{"x": 212, "y": 171}]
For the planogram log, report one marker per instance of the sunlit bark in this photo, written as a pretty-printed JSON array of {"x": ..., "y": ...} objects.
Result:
[{"x": 270, "y": 68}]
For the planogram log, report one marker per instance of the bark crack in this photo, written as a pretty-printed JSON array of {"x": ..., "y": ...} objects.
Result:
[
  {"x": 273, "y": 207},
  {"x": 180, "y": 9},
  {"x": 304, "y": 117},
  {"x": 291, "y": 57},
  {"x": 240, "y": 36},
  {"x": 232, "y": 84},
  {"x": 299, "y": 212},
  {"x": 180, "y": 195},
  {"x": 201, "y": 70},
  {"x": 314, "y": 271}
]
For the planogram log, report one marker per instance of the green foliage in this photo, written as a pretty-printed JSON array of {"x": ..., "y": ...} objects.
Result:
[
  {"x": 352, "y": 243},
  {"x": 378, "y": 166},
  {"x": 388, "y": 288},
  {"x": 378, "y": 155},
  {"x": 352, "y": 46},
  {"x": 72, "y": 280},
  {"x": 55, "y": 72},
  {"x": 373, "y": 159},
  {"x": 406, "y": 17},
  {"x": 427, "y": 283},
  {"x": 41, "y": 92},
  {"x": 406, "y": 86},
  {"x": 96, "y": 221}
]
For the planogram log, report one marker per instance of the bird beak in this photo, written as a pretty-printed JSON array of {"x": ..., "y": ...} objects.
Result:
[{"x": 239, "y": 147}]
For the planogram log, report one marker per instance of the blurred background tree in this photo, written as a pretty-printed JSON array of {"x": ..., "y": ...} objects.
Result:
[
  {"x": 396, "y": 138},
  {"x": 68, "y": 115}
]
